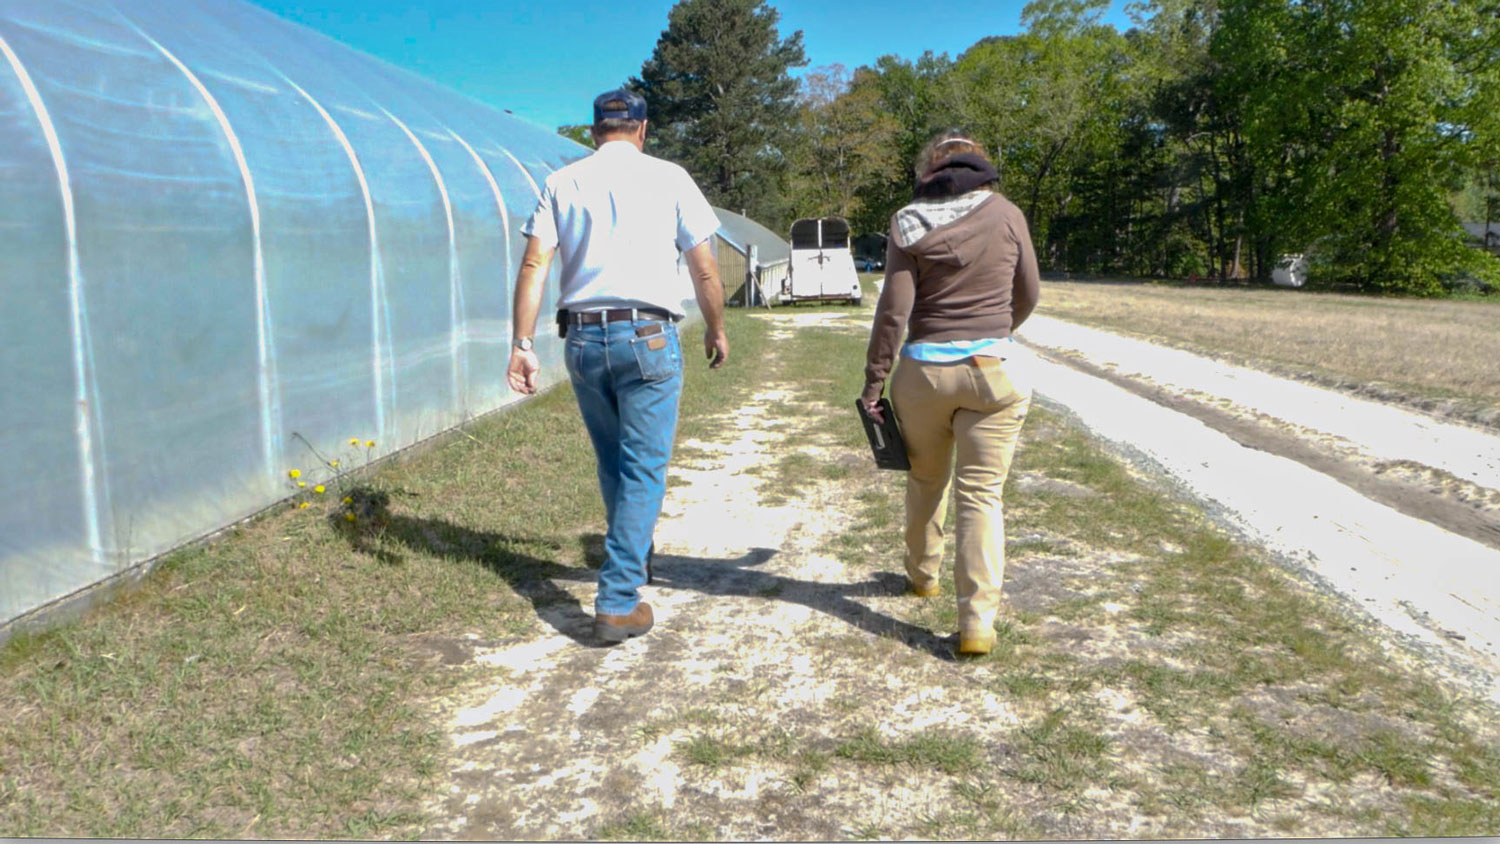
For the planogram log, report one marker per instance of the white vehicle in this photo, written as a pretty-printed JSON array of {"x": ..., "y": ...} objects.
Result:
[
  {"x": 1291, "y": 271},
  {"x": 822, "y": 265}
]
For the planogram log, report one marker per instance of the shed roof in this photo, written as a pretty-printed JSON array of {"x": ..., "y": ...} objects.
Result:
[{"x": 743, "y": 232}]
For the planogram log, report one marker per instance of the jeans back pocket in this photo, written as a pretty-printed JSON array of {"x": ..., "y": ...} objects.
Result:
[{"x": 659, "y": 356}]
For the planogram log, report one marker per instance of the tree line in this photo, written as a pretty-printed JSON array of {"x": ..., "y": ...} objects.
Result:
[{"x": 1207, "y": 140}]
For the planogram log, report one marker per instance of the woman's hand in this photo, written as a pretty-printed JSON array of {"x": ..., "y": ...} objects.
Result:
[{"x": 870, "y": 398}]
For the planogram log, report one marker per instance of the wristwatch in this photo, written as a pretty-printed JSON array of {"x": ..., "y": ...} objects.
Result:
[{"x": 522, "y": 343}]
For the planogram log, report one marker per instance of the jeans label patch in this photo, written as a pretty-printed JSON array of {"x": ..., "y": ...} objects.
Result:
[{"x": 656, "y": 343}]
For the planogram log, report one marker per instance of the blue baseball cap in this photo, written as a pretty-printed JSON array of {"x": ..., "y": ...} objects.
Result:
[{"x": 635, "y": 106}]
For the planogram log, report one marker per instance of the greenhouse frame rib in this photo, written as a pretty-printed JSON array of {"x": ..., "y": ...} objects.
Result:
[
  {"x": 377, "y": 294},
  {"x": 83, "y": 422},
  {"x": 270, "y": 407}
]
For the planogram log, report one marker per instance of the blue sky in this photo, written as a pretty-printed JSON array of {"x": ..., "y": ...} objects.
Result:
[{"x": 545, "y": 61}]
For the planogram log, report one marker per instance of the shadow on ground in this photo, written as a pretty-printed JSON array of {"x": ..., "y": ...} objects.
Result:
[{"x": 514, "y": 559}]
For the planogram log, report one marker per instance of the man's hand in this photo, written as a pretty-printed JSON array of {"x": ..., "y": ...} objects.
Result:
[
  {"x": 534, "y": 263},
  {"x": 522, "y": 372},
  {"x": 710, "y": 295},
  {"x": 715, "y": 347}
]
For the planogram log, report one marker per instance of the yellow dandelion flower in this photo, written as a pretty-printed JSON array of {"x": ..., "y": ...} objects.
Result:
[
  {"x": 301, "y": 484},
  {"x": 303, "y": 506},
  {"x": 348, "y": 500},
  {"x": 369, "y": 444},
  {"x": 333, "y": 463},
  {"x": 294, "y": 474},
  {"x": 348, "y": 517},
  {"x": 354, "y": 440},
  {"x": 319, "y": 489}
]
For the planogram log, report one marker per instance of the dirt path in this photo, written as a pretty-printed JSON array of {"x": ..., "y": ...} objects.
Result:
[
  {"x": 1394, "y": 508},
  {"x": 786, "y": 693},
  {"x": 1386, "y": 452},
  {"x": 751, "y": 617}
]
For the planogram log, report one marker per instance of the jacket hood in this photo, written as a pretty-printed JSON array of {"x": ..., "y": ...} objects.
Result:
[
  {"x": 960, "y": 242},
  {"x": 956, "y": 176}
]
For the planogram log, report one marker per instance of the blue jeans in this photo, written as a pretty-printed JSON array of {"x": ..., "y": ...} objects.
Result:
[{"x": 627, "y": 388}]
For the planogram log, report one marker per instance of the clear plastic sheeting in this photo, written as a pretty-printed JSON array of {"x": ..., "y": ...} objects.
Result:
[{"x": 226, "y": 238}]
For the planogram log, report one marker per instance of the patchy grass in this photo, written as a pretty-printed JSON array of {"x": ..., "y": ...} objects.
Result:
[
  {"x": 711, "y": 752},
  {"x": 638, "y": 826},
  {"x": 1147, "y": 670},
  {"x": 818, "y": 369},
  {"x": 271, "y": 684},
  {"x": 946, "y": 752},
  {"x": 1063, "y": 752},
  {"x": 705, "y": 393},
  {"x": 1425, "y": 352},
  {"x": 1131, "y": 598}
]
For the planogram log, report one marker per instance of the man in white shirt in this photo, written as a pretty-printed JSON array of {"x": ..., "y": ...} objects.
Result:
[{"x": 619, "y": 220}]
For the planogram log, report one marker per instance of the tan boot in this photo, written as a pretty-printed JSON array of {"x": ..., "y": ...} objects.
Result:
[
  {"x": 618, "y": 628},
  {"x": 975, "y": 644},
  {"x": 931, "y": 590}
]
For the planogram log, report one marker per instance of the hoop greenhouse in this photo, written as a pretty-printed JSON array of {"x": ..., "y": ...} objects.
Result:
[{"x": 229, "y": 240}]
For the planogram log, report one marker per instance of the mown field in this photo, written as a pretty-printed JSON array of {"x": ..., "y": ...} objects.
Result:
[{"x": 1439, "y": 354}]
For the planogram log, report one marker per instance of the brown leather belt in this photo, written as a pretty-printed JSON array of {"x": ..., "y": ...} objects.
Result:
[{"x": 616, "y": 315}]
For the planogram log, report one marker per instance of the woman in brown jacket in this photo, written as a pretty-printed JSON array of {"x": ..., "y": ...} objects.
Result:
[{"x": 960, "y": 276}]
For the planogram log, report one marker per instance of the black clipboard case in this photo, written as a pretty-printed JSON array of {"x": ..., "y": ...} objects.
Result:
[{"x": 885, "y": 437}]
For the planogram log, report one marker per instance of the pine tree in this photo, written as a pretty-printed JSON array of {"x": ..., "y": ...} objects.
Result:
[{"x": 722, "y": 104}]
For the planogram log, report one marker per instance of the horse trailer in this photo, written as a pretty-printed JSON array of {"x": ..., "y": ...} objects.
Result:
[{"x": 822, "y": 266}]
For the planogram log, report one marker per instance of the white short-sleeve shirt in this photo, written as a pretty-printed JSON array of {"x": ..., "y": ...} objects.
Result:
[{"x": 620, "y": 220}]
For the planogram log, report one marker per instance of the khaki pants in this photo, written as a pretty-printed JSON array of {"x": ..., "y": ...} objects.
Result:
[{"x": 975, "y": 405}]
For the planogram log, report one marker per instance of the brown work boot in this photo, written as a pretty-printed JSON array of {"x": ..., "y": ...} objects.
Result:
[{"x": 618, "y": 628}]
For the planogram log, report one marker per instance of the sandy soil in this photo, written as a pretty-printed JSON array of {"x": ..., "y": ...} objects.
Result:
[
  {"x": 740, "y": 588},
  {"x": 1450, "y": 463},
  {"x": 1396, "y": 509},
  {"x": 764, "y": 640}
]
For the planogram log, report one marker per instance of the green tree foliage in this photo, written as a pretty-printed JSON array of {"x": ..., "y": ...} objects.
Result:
[
  {"x": 1052, "y": 102},
  {"x": 848, "y": 144},
  {"x": 1186, "y": 174},
  {"x": 722, "y": 103},
  {"x": 915, "y": 95},
  {"x": 1362, "y": 116},
  {"x": 1207, "y": 140}
]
